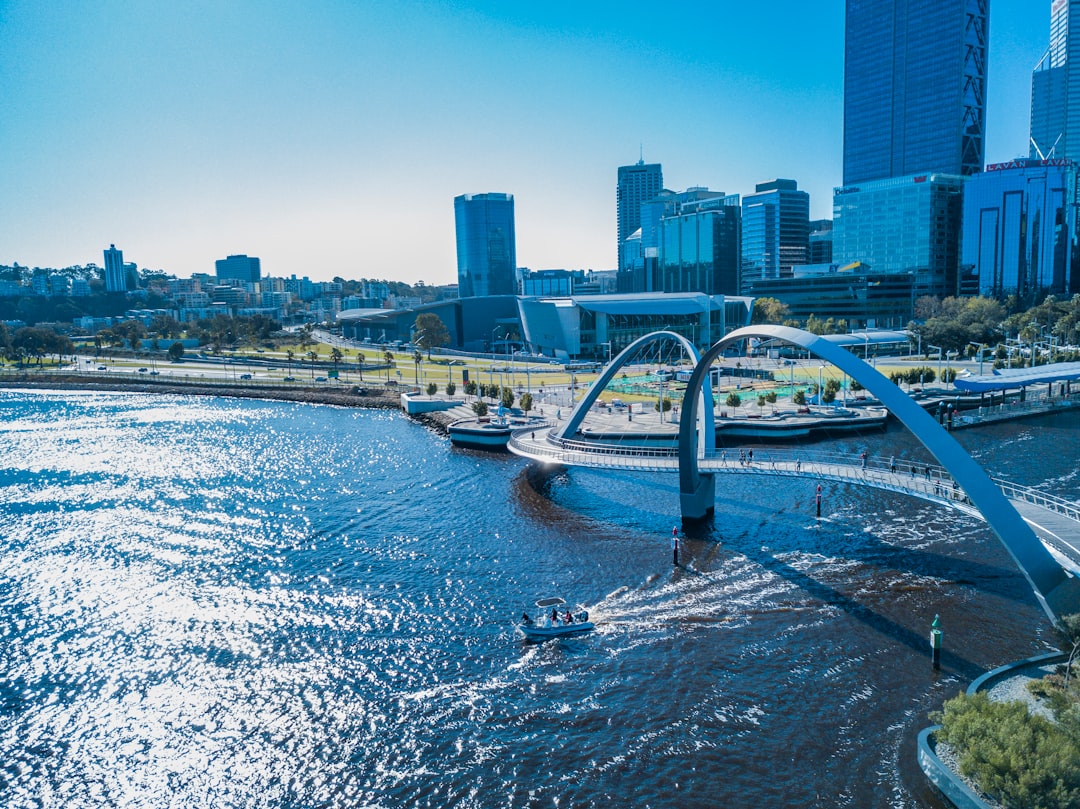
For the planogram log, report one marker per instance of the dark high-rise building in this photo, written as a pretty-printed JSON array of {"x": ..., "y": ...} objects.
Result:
[
  {"x": 239, "y": 268},
  {"x": 637, "y": 184},
  {"x": 1055, "y": 83},
  {"x": 486, "y": 246},
  {"x": 914, "y": 87}
]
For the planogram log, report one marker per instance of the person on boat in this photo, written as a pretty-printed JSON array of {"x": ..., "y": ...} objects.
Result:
[
  {"x": 525, "y": 619},
  {"x": 568, "y": 618},
  {"x": 554, "y": 616}
]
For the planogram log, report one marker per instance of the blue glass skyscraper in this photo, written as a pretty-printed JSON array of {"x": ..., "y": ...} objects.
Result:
[
  {"x": 486, "y": 246},
  {"x": 1055, "y": 83},
  {"x": 914, "y": 87},
  {"x": 775, "y": 231}
]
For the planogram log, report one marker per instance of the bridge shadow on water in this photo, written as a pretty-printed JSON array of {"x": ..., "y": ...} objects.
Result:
[{"x": 767, "y": 532}]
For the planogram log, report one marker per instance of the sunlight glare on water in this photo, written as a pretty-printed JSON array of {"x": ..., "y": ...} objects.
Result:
[{"x": 254, "y": 604}]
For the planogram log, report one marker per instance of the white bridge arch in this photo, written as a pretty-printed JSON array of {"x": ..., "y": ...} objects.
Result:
[
  {"x": 706, "y": 430},
  {"x": 1057, "y": 591}
]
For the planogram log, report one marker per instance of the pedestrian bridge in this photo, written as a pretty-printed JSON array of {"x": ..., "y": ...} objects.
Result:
[
  {"x": 1055, "y": 520},
  {"x": 958, "y": 481}
]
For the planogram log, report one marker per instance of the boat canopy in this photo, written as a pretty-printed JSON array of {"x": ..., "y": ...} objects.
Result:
[
  {"x": 1012, "y": 378},
  {"x": 550, "y": 602}
]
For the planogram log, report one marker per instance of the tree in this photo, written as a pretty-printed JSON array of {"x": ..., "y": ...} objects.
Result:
[
  {"x": 761, "y": 403},
  {"x": 417, "y": 358},
  {"x": 451, "y": 388},
  {"x": 388, "y": 358},
  {"x": 431, "y": 332},
  {"x": 290, "y": 356},
  {"x": 312, "y": 356},
  {"x": 770, "y": 397},
  {"x": 769, "y": 311},
  {"x": 480, "y": 408},
  {"x": 176, "y": 351},
  {"x": 799, "y": 397},
  {"x": 432, "y": 389},
  {"x": 507, "y": 397},
  {"x": 733, "y": 400},
  {"x": 832, "y": 387},
  {"x": 526, "y": 402},
  {"x": 336, "y": 356}
]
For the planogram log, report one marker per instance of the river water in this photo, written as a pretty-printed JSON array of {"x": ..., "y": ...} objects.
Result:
[{"x": 210, "y": 602}]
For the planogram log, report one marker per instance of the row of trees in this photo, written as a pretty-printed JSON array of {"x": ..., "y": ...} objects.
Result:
[{"x": 31, "y": 342}]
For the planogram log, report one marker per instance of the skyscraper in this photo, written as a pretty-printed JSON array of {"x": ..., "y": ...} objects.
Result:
[
  {"x": 637, "y": 184},
  {"x": 115, "y": 274},
  {"x": 486, "y": 246},
  {"x": 1055, "y": 110},
  {"x": 914, "y": 87},
  {"x": 775, "y": 231}
]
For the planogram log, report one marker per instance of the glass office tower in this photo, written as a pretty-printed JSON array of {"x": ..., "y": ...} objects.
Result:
[
  {"x": 1055, "y": 109},
  {"x": 486, "y": 247},
  {"x": 902, "y": 225},
  {"x": 699, "y": 248},
  {"x": 914, "y": 87},
  {"x": 775, "y": 231},
  {"x": 1020, "y": 223}
]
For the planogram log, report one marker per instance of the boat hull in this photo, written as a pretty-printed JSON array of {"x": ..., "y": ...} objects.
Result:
[{"x": 542, "y": 633}]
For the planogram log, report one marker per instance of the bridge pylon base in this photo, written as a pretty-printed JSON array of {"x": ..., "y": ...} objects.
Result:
[{"x": 700, "y": 503}]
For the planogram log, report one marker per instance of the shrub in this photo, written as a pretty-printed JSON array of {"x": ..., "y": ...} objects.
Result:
[{"x": 1020, "y": 759}]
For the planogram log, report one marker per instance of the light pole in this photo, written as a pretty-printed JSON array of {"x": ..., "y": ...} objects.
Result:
[
  {"x": 982, "y": 352},
  {"x": 938, "y": 350},
  {"x": 608, "y": 344},
  {"x": 493, "y": 342}
]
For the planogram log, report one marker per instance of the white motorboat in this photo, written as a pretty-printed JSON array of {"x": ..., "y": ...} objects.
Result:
[{"x": 554, "y": 619}]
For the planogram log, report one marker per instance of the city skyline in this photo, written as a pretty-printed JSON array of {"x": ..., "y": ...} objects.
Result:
[{"x": 332, "y": 141}]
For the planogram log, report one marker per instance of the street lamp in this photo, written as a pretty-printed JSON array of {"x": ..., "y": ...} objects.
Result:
[
  {"x": 982, "y": 353},
  {"x": 608, "y": 344},
  {"x": 938, "y": 350}
]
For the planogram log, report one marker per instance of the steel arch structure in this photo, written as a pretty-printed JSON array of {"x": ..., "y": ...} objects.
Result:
[
  {"x": 707, "y": 432},
  {"x": 1058, "y": 592}
]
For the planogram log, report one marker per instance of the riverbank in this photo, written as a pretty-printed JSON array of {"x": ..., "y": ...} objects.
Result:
[{"x": 328, "y": 393}]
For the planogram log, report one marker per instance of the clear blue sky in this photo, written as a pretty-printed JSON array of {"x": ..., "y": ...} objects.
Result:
[{"x": 330, "y": 138}]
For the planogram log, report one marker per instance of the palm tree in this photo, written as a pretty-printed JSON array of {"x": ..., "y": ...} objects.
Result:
[
  {"x": 290, "y": 355},
  {"x": 388, "y": 358},
  {"x": 335, "y": 357},
  {"x": 417, "y": 358},
  {"x": 313, "y": 355}
]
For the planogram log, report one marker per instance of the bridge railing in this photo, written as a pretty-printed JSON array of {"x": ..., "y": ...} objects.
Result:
[{"x": 1050, "y": 502}]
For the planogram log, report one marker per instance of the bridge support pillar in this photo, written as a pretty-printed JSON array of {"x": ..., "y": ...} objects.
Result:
[{"x": 700, "y": 503}]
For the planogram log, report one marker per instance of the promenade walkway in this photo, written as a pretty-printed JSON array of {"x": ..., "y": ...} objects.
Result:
[{"x": 1055, "y": 521}]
